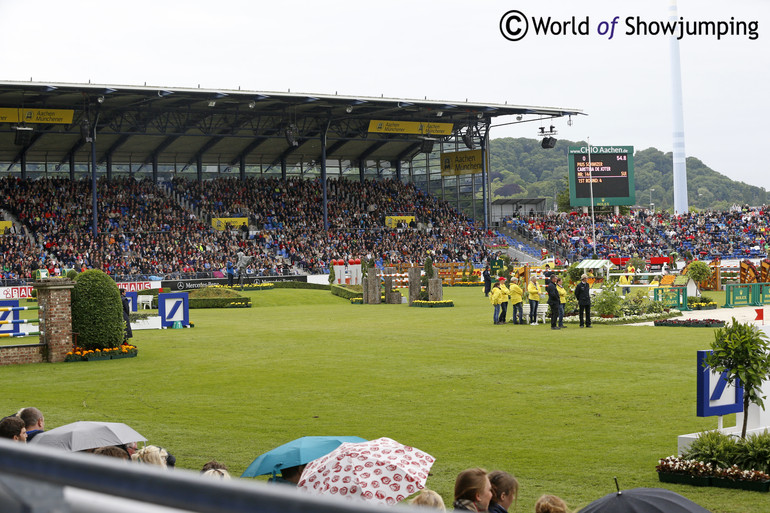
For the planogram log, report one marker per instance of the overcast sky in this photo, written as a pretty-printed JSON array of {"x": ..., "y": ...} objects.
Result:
[{"x": 445, "y": 50}]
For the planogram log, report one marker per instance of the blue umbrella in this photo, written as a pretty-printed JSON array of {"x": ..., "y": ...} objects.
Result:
[{"x": 297, "y": 452}]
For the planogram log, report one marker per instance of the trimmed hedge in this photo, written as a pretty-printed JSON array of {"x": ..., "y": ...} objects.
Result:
[
  {"x": 345, "y": 293},
  {"x": 97, "y": 311},
  {"x": 220, "y": 302},
  {"x": 300, "y": 285}
]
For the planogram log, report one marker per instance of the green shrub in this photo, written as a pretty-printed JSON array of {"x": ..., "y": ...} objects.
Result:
[
  {"x": 755, "y": 452},
  {"x": 573, "y": 273},
  {"x": 97, "y": 311},
  {"x": 608, "y": 302},
  {"x": 347, "y": 292},
  {"x": 72, "y": 274},
  {"x": 714, "y": 447}
]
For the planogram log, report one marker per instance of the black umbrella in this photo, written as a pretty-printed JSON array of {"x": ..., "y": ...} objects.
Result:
[{"x": 644, "y": 500}]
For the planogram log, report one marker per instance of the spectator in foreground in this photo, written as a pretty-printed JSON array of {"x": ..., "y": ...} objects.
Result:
[
  {"x": 112, "y": 451},
  {"x": 550, "y": 504},
  {"x": 505, "y": 490},
  {"x": 473, "y": 490},
  {"x": 428, "y": 499},
  {"x": 13, "y": 429},
  {"x": 153, "y": 455},
  {"x": 33, "y": 421},
  {"x": 289, "y": 475}
]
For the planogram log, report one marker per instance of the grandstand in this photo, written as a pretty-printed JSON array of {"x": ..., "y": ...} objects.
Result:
[{"x": 315, "y": 175}]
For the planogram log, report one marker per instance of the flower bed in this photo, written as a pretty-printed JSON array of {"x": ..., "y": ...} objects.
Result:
[
  {"x": 691, "y": 323},
  {"x": 697, "y": 473},
  {"x": 468, "y": 284},
  {"x": 249, "y": 286},
  {"x": 111, "y": 353},
  {"x": 433, "y": 304}
]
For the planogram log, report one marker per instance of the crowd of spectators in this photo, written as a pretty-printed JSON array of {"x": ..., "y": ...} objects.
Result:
[
  {"x": 741, "y": 232},
  {"x": 475, "y": 490},
  {"x": 163, "y": 230},
  {"x": 150, "y": 230}
]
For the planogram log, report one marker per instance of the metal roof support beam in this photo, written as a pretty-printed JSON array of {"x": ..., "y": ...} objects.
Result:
[
  {"x": 248, "y": 149},
  {"x": 72, "y": 165},
  {"x": 398, "y": 169},
  {"x": 324, "y": 133},
  {"x": 242, "y": 168},
  {"x": 206, "y": 147},
  {"x": 361, "y": 169},
  {"x": 199, "y": 167},
  {"x": 114, "y": 146},
  {"x": 162, "y": 146},
  {"x": 109, "y": 167},
  {"x": 283, "y": 168},
  {"x": 154, "y": 168},
  {"x": 24, "y": 165}
]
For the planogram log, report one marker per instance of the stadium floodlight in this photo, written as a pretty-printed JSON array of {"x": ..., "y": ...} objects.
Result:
[
  {"x": 548, "y": 142},
  {"x": 291, "y": 135},
  {"x": 427, "y": 145},
  {"x": 23, "y": 135},
  {"x": 468, "y": 138}
]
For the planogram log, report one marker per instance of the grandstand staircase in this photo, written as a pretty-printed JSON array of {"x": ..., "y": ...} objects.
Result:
[
  {"x": 521, "y": 256},
  {"x": 18, "y": 227}
]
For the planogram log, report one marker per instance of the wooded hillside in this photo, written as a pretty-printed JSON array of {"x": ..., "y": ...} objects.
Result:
[{"x": 521, "y": 168}]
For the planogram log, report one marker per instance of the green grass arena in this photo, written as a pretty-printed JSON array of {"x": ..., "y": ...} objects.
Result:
[{"x": 564, "y": 411}]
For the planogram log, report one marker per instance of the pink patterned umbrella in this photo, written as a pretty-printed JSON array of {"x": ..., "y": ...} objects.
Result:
[{"x": 381, "y": 470}]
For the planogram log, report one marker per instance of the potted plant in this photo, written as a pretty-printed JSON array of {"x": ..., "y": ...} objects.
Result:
[{"x": 742, "y": 350}]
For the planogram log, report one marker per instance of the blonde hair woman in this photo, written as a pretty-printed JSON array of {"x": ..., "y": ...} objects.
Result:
[
  {"x": 152, "y": 455},
  {"x": 428, "y": 499},
  {"x": 550, "y": 504}
]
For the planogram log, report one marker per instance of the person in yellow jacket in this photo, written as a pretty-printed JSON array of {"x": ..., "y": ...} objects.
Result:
[
  {"x": 533, "y": 294},
  {"x": 624, "y": 282},
  {"x": 562, "y": 300},
  {"x": 495, "y": 297},
  {"x": 517, "y": 302},
  {"x": 504, "y": 303}
]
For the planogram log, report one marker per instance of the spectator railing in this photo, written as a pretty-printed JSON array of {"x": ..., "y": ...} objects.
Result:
[{"x": 45, "y": 480}]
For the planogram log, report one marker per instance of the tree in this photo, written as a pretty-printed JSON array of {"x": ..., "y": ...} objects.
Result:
[
  {"x": 698, "y": 271},
  {"x": 741, "y": 349}
]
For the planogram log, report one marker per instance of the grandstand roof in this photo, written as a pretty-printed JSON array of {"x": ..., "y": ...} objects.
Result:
[{"x": 184, "y": 126}]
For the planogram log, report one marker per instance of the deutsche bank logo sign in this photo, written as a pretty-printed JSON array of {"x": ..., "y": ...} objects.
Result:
[
  {"x": 715, "y": 396},
  {"x": 172, "y": 308}
]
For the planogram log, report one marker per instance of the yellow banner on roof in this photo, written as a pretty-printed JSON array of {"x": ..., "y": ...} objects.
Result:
[
  {"x": 219, "y": 223},
  {"x": 381, "y": 126},
  {"x": 50, "y": 116},
  {"x": 461, "y": 163}
]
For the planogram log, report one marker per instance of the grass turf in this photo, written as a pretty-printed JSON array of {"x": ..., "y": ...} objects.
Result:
[{"x": 564, "y": 411}]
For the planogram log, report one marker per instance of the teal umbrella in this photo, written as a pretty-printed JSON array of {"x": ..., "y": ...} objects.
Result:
[{"x": 297, "y": 452}]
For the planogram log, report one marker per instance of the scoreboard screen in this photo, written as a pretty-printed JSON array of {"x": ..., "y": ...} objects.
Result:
[{"x": 609, "y": 168}]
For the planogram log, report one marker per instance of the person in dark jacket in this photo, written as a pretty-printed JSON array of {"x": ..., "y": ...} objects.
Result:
[
  {"x": 487, "y": 281},
  {"x": 583, "y": 295},
  {"x": 505, "y": 490},
  {"x": 126, "y": 313},
  {"x": 553, "y": 301}
]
